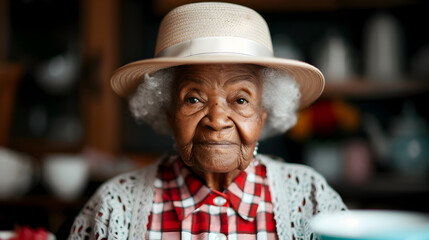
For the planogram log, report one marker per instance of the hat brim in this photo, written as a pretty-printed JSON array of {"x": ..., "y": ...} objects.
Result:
[{"x": 126, "y": 79}]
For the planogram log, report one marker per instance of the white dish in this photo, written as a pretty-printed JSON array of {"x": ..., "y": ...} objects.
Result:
[{"x": 372, "y": 224}]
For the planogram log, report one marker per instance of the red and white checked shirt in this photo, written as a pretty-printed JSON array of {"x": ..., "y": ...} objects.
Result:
[{"x": 185, "y": 208}]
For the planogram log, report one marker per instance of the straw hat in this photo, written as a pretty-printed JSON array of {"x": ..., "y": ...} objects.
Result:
[{"x": 216, "y": 33}]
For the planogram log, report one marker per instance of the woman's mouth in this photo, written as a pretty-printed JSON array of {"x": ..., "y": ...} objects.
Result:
[{"x": 215, "y": 143}]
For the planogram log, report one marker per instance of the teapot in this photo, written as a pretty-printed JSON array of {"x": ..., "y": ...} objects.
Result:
[{"x": 406, "y": 146}]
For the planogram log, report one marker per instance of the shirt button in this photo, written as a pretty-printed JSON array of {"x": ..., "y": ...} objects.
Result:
[
  {"x": 220, "y": 236},
  {"x": 220, "y": 201}
]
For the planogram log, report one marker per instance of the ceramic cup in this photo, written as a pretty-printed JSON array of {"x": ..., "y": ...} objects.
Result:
[{"x": 66, "y": 175}]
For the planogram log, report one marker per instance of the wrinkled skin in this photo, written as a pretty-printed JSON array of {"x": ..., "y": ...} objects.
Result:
[{"x": 216, "y": 118}]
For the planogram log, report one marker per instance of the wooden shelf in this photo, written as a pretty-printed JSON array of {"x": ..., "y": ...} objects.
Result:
[
  {"x": 363, "y": 88},
  {"x": 40, "y": 147},
  {"x": 142, "y": 159},
  {"x": 39, "y": 211},
  {"x": 161, "y": 7},
  {"x": 43, "y": 202}
]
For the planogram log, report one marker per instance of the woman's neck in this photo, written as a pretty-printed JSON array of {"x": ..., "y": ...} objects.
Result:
[{"x": 218, "y": 181}]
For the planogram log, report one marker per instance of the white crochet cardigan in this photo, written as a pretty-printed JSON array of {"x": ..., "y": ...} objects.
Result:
[{"x": 121, "y": 207}]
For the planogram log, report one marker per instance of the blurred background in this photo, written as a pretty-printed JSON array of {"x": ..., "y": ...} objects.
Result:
[{"x": 63, "y": 131}]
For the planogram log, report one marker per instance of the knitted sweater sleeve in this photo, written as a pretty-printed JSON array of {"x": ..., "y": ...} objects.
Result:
[
  {"x": 298, "y": 194},
  {"x": 119, "y": 209},
  {"x": 107, "y": 214}
]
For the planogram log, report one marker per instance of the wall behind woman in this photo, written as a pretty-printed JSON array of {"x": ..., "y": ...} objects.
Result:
[{"x": 333, "y": 37}]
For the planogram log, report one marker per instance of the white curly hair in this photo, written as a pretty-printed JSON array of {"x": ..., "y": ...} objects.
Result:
[{"x": 280, "y": 98}]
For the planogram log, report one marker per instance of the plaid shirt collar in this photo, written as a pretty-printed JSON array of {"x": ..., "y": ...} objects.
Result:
[{"x": 188, "y": 192}]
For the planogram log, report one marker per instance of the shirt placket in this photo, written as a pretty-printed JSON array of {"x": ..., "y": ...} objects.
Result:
[{"x": 219, "y": 200}]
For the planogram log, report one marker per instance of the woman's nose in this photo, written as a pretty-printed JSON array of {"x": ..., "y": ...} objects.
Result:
[{"x": 217, "y": 117}]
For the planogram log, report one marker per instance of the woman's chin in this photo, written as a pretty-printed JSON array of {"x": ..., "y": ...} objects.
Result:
[{"x": 217, "y": 160}]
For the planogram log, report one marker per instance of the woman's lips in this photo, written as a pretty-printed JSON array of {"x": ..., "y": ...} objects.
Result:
[{"x": 215, "y": 143}]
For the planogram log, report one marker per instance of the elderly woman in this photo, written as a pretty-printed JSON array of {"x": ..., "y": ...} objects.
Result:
[{"x": 215, "y": 86}]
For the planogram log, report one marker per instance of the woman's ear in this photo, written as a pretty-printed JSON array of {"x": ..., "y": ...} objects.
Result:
[{"x": 264, "y": 116}]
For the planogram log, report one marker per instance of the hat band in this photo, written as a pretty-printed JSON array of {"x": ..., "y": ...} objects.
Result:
[{"x": 216, "y": 45}]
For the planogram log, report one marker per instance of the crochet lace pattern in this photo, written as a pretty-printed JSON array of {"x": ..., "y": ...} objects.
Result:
[{"x": 121, "y": 207}]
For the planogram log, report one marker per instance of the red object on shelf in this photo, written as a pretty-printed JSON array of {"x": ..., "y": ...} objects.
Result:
[
  {"x": 27, "y": 233},
  {"x": 324, "y": 121}
]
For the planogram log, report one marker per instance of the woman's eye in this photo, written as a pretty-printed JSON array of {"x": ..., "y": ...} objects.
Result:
[
  {"x": 241, "y": 101},
  {"x": 193, "y": 100}
]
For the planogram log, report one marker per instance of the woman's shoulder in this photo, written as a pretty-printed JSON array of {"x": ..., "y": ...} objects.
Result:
[
  {"x": 298, "y": 193},
  {"x": 109, "y": 211}
]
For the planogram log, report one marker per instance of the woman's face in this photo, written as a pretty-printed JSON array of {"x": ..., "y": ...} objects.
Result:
[{"x": 217, "y": 116}]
